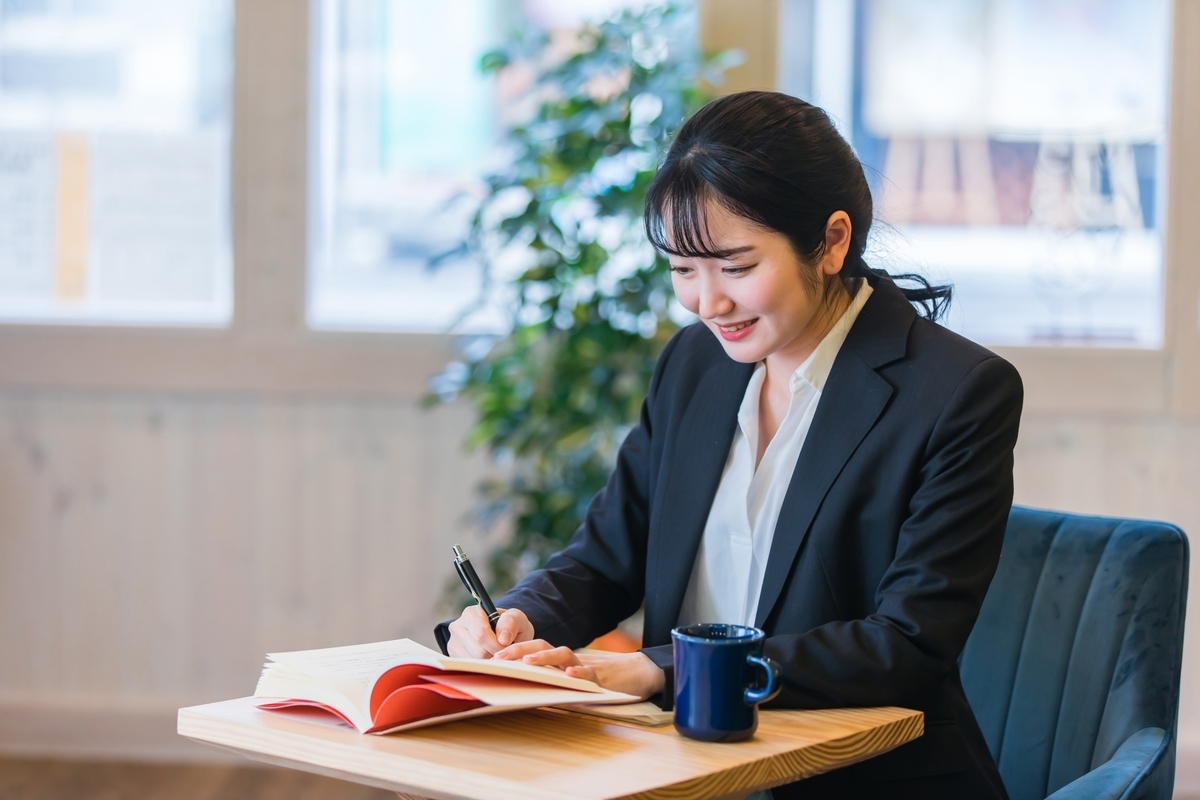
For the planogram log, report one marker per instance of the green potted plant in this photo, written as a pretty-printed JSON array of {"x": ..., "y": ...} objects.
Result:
[{"x": 591, "y": 303}]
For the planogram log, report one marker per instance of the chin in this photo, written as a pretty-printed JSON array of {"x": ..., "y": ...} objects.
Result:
[
  {"x": 742, "y": 352},
  {"x": 743, "y": 355}
]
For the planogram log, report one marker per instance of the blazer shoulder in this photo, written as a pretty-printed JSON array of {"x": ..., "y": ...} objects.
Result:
[
  {"x": 930, "y": 340},
  {"x": 943, "y": 363},
  {"x": 889, "y": 335}
]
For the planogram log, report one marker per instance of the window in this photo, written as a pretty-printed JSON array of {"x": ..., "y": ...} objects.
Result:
[
  {"x": 1015, "y": 149},
  {"x": 114, "y": 166},
  {"x": 404, "y": 125}
]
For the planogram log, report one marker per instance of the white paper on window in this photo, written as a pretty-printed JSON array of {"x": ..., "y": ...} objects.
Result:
[
  {"x": 157, "y": 203},
  {"x": 26, "y": 215},
  {"x": 114, "y": 168}
]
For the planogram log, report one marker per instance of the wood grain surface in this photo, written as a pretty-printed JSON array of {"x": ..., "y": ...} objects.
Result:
[{"x": 551, "y": 754}]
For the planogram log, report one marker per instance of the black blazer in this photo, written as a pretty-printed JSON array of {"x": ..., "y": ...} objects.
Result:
[{"x": 887, "y": 540}]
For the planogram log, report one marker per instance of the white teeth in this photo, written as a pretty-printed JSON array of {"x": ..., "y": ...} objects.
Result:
[{"x": 734, "y": 328}]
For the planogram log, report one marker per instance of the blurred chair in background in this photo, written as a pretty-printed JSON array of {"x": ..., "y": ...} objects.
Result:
[{"x": 1073, "y": 667}]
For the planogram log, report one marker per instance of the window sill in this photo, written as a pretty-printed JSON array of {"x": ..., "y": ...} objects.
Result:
[{"x": 396, "y": 366}]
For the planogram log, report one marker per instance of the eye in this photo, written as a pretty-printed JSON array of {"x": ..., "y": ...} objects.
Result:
[
  {"x": 681, "y": 271},
  {"x": 737, "y": 270}
]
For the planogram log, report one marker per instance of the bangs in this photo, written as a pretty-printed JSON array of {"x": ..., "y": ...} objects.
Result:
[{"x": 676, "y": 213}]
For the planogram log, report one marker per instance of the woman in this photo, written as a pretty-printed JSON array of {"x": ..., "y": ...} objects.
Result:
[{"x": 812, "y": 458}]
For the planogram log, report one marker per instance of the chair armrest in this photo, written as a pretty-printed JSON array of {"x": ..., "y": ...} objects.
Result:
[{"x": 1112, "y": 779}]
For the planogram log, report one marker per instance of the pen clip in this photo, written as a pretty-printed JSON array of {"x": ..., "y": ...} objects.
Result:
[{"x": 462, "y": 576}]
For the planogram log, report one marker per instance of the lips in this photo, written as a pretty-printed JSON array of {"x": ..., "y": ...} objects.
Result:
[{"x": 740, "y": 330}]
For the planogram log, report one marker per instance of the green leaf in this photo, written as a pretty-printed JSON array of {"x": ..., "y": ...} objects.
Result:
[
  {"x": 493, "y": 61},
  {"x": 555, "y": 397}
]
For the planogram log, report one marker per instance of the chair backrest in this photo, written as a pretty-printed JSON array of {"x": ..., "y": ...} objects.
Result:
[{"x": 1078, "y": 644}]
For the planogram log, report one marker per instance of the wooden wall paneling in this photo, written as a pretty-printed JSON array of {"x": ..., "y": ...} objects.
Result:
[
  {"x": 1119, "y": 467},
  {"x": 1081, "y": 381},
  {"x": 87, "y": 575},
  {"x": 137, "y": 509},
  {"x": 154, "y": 548},
  {"x": 292, "y": 478},
  {"x": 28, "y": 570},
  {"x": 223, "y": 436}
]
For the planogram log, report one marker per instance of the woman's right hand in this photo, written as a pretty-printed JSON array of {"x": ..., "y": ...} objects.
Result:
[{"x": 471, "y": 635}]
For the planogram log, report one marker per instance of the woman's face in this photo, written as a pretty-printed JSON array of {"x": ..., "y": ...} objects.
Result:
[{"x": 755, "y": 299}]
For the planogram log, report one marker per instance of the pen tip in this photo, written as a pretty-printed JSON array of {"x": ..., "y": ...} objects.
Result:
[{"x": 459, "y": 554}]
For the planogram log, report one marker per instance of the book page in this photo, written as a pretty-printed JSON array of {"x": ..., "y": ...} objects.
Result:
[
  {"x": 361, "y": 663},
  {"x": 365, "y": 663},
  {"x": 645, "y": 713},
  {"x": 385, "y": 684},
  {"x": 498, "y": 691},
  {"x": 519, "y": 670},
  {"x": 279, "y": 686}
]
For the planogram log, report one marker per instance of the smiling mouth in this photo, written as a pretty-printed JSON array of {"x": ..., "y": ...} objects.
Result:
[{"x": 733, "y": 333}]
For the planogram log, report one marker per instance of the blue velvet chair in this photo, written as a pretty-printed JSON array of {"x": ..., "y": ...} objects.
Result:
[{"x": 1073, "y": 666}]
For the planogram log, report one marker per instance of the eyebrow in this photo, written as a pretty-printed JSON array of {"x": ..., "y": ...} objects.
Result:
[{"x": 733, "y": 251}]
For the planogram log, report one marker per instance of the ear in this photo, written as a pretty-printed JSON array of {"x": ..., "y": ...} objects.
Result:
[{"x": 837, "y": 242}]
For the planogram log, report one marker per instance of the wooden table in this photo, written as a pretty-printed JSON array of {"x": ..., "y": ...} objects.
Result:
[{"x": 556, "y": 754}]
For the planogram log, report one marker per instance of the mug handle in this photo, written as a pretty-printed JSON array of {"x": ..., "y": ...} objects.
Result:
[{"x": 774, "y": 681}]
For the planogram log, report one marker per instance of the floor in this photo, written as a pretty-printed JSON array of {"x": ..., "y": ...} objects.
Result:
[{"x": 28, "y": 779}]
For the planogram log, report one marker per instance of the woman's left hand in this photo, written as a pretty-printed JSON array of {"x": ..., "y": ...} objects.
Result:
[{"x": 631, "y": 673}]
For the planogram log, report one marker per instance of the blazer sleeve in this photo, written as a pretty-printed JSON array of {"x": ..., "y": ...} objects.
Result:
[
  {"x": 598, "y": 580},
  {"x": 946, "y": 555}
]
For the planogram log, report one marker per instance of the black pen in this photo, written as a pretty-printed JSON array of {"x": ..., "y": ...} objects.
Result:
[{"x": 470, "y": 579}]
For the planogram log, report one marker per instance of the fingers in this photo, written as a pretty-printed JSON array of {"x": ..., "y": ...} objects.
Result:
[
  {"x": 587, "y": 673},
  {"x": 513, "y": 626},
  {"x": 515, "y": 652},
  {"x": 561, "y": 657},
  {"x": 632, "y": 673},
  {"x": 471, "y": 635}
]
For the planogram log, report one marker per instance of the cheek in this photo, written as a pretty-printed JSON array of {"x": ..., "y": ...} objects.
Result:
[
  {"x": 686, "y": 294},
  {"x": 758, "y": 296}
]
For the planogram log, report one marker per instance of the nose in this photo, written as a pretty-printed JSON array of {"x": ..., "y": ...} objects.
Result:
[{"x": 713, "y": 302}]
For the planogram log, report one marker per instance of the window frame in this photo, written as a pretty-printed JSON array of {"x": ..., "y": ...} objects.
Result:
[{"x": 268, "y": 349}]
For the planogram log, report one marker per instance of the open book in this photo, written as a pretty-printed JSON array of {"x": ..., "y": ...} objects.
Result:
[{"x": 393, "y": 686}]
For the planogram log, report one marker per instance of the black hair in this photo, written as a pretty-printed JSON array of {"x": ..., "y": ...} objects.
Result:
[{"x": 779, "y": 162}]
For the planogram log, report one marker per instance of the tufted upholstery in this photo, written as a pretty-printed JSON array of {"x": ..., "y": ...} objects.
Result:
[{"x": 1073, "y": 666}]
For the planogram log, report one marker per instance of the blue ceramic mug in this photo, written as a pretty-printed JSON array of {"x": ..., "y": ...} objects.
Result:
[{"x": 716, "y": 677}]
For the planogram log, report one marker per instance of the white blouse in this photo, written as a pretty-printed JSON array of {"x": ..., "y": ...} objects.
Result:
[{"x": 728, "y": 574}]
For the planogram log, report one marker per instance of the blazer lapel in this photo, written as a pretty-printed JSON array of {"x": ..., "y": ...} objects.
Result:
[
  {"x": 703, "y": 440},
  {"x": 854, "y": 397}
]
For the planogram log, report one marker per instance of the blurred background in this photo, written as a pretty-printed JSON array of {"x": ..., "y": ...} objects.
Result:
[{"x": 256, "y": 285}]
